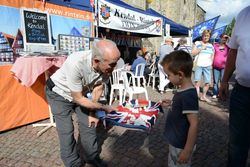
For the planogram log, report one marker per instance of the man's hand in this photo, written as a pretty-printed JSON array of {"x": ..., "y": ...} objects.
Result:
[
  {"x": 93, "y": 121},
  {"x": 223, "y": 91},
  {"x": 108, "y": 108},
  {"x": 166, "y": 102},
  {"x": 184, "y": 156}
]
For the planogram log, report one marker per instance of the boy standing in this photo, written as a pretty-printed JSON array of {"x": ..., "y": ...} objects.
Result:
[{"x": 182, "y": 121}]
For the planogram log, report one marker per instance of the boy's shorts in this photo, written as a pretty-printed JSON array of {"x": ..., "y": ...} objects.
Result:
[{"x": 173, "y": 157}]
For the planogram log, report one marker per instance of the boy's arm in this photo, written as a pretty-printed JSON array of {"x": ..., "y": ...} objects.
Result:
[
  {"x": 191, "y": 138},
  {"x": 97, "y": 92}
]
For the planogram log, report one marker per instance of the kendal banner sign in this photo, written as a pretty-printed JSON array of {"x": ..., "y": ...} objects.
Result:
[{"x": 116, "y": 17}]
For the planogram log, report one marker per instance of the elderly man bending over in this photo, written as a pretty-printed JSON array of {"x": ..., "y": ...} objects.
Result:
[{"x": 83, "y": 72}]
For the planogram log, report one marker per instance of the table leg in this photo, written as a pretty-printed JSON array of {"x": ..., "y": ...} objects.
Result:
[{"x": 47, "y": 125}]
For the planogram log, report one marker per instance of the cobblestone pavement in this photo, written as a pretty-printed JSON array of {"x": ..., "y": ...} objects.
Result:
[{"x": 121, "y": 147}]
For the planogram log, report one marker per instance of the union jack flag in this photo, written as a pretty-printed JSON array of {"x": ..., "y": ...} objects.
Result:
[{"x": 138, "y": 114}]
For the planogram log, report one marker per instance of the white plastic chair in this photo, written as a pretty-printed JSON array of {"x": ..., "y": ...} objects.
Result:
[
  {"x": 154, "y": 74},
  {"x": 133, "y": 89},
  {"x": 116, "y": 84},
  {"x": 139, "y": 74}
]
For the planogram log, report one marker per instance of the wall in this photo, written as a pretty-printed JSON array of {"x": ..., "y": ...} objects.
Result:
[
  {"x": 141, "y": 4},
  {"x": 180, "y": 11},
  {"x": 200, "y": 15}
]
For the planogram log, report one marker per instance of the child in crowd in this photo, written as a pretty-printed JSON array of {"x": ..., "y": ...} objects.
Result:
[{"x": 182, "y": 120}]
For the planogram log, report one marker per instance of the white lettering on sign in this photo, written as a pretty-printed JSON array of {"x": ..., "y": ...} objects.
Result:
[
  {"x": 35, "y": 16},
  {"x": 36, "y": 26}
]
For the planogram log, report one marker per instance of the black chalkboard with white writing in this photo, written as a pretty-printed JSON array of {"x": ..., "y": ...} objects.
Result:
[{"x": 36, "y": 27}]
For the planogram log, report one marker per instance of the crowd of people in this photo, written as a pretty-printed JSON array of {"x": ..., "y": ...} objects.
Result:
[
  {"x": 209, "y": 59},
  {"x": 88, "y": 71}
]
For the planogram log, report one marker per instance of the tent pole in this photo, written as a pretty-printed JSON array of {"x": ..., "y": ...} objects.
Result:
[{"x": 96, "y": 18}]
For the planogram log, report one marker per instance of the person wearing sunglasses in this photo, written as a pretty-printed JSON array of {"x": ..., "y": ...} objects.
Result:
[
  {"x": 82, "y": 73},
  {"x": 221, "y": 51}
]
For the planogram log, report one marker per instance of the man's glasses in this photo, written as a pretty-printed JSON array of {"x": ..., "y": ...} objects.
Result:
[{"x": 110, "y": 64}]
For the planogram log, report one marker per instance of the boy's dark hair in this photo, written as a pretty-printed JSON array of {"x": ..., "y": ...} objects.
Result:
[{"x": 179, "y": 61}]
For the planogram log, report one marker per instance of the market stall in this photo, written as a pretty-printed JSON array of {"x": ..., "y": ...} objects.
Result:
[
  {"x": 19, "y": 104},
  {"x": 31, "y": 28},
  {"x": 127, "y": 25}
]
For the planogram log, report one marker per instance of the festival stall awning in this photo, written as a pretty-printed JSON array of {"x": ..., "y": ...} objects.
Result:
[
  {"x": 118, "y": 15},
  {"x": 175, "y": 28},
  {"x": 77, "y": 4}
]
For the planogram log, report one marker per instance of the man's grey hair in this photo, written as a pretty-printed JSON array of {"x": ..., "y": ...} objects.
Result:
[
  {"x": 97, "y": 51},
  {"x": 182, "y": 41}
]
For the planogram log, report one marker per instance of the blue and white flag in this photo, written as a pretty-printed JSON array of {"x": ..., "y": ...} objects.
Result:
[
  {"x": 217, "y": 32},
  {"x": 206, "y": 25}
]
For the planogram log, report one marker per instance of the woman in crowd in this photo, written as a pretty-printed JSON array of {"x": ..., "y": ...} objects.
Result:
[
  {"x": 204, "y": 55},
  {"x": 221, "y": 51}
]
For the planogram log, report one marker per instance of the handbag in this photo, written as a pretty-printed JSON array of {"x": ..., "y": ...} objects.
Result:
[{"x": 194, "y": 64}]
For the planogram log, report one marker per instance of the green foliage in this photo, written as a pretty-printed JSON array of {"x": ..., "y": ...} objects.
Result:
[{"x": 230, "y": 27}]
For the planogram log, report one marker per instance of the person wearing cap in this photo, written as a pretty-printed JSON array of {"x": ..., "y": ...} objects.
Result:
[{"x": 164, "y": 50}]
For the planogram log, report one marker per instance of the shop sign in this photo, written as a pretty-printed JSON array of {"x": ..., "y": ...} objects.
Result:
[{"x": 119, "y": 18}]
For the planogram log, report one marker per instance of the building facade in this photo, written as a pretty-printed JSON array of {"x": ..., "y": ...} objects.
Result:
[{"x": 185, "y": 12}]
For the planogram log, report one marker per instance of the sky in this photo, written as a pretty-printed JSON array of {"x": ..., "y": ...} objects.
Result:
[{"x": 226, "y": 8}]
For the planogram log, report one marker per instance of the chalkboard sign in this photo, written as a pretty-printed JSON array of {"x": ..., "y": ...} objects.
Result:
[{"x": 36, "y": 27}]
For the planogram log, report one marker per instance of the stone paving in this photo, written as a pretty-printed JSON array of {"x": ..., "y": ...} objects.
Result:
[{"x": 121, "y": 147}]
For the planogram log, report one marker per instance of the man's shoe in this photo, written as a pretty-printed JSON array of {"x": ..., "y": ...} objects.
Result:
[{"x": 97, "y": 162}]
